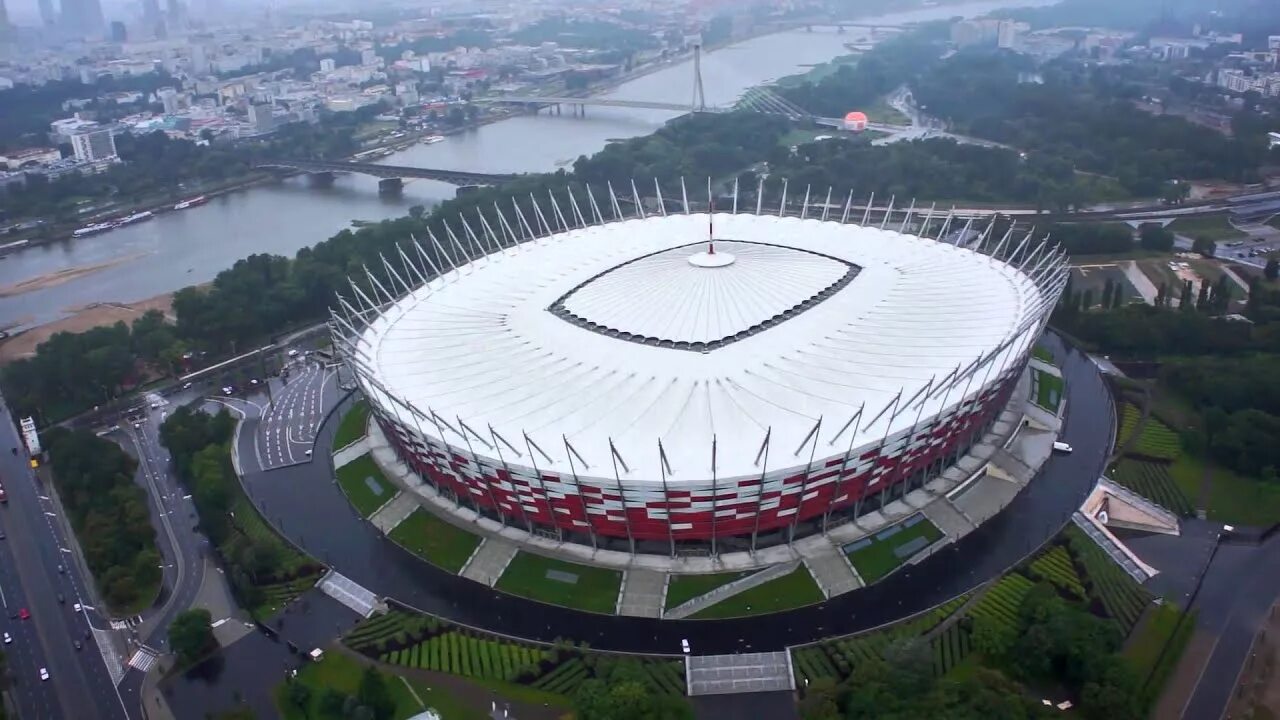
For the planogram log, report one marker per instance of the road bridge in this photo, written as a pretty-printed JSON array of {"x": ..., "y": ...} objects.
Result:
[
  {"x": 597, "y": 101},
  {"x": 390, "y": 172}
]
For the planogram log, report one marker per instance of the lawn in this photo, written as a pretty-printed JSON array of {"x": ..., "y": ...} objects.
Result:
[
  {"x": 683, "y": 588},
  {"x": 1042, "y": 353},
  {"x": 1156, "y": 645},
  {"x": 341, "y": 673},
  {"x": 359, "y": 478},
  {"x": 352, "y": 426},
  {"x": 562, "y": 583},
  {"x": 1048, "y": 390},
  {"x": 1212, "y": 227},
  {"x": 793, "y": 590},
  {"x": 435, "y": 540},
  {"x": 1232, "y": 498},
  {"x": 878, "y": 558}
]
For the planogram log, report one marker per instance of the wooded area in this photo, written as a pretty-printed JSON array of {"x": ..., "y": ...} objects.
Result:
[{"x": 109, "y": 514}]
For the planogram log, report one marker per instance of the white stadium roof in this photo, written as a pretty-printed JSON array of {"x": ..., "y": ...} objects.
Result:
[{"x": 810, "y": 320}]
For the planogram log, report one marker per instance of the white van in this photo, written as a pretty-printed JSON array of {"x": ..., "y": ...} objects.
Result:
[{"x": 1061, "y": 447}]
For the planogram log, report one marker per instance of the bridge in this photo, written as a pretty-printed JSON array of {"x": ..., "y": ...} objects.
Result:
[{"x": 389, "y": 172}]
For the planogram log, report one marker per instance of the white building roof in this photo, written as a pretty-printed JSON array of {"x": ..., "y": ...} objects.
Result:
[{"x": 845, "y": 317}]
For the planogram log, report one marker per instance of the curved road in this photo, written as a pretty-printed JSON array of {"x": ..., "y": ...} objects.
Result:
[{"x": 304, "y": 502}]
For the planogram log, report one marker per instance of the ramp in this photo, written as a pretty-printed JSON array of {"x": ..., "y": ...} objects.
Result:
[
  {"x": 740, "y": 673},
  {"x": 346, "y": 591}
]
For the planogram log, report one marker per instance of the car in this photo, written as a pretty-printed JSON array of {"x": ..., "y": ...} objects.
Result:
[
  {"x": 1, "y": 534},
  {"x": 1062, "y": 447},
  {"x": 77, "y": 644},
  {"x": 155, "y": 406},
  {"x": 308, "y": 453},
  {"x": 684, "y": 645},
  {"x": 4, "y": 496},
  {"x": 44, "y": 674},
  {"x": 77, "y": 607},
  {"x": 23, "y": 614},
  {"x": 8, "y": 638},
  {"x": 186, "y": 386},
  {"x": 227, "y": 390}
]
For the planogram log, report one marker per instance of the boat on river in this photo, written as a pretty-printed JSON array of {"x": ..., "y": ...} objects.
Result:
[
  {"x": 93, "y": 229},
  {"x": 135, "y": 218},
  {"x": 192, "y": 202}
]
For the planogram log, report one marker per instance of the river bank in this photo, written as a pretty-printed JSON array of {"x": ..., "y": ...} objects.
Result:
[{"x": 81, "y": 319}]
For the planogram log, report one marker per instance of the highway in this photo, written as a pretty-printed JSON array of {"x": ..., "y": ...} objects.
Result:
[{"x": 31, "y": 554}]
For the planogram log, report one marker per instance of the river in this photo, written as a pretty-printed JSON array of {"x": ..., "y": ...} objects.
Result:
[{"x": 177, "y": 249}]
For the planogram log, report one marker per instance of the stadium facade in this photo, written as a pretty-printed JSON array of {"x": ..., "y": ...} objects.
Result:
[{"x": 674, "y": 378}]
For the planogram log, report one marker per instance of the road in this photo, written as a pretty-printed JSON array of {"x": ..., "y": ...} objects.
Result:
[
  {"x": 307, "y": 506},
  {"x": 1239, "y": 589},
  {"x": 296, "y": 409},
  {"x": 80, "y": 687}
]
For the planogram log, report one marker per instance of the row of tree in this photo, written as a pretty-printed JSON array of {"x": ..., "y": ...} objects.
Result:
[{"x": 108, "y": 512}]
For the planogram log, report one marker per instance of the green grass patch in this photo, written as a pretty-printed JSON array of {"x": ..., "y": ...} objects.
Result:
[
  {"x": 341, "y": 673},
  {"x": 1211, "y": 227},
  {"x": 526, "y": 694},
  {"x": 1233, "y": 499},
  {"x": 1048, "y": 390},
  {"x": 595, "y": 589},
  {"x": 793, "y": 590},
  {"x": 1157, "y": 441},
  {"x": 878, "y": 559},
  {"x": 1156, "y": 646},
  {"x": 446, "y": 706},
  {"x": 1043, "y": 353},
  {"x": 1154, "y": 482},
  {"x": 352, "y": 426},
  {"x": 435, "y": 540},
  {"x": 358, "y": 479},
  {"x": 683, "y": 588}
]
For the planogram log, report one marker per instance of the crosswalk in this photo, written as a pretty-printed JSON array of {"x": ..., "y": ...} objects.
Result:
[
  {"x": 127, "y": 623},
  {"x": 143, "y": 659}
]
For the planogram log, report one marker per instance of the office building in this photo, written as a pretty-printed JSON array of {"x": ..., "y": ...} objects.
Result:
[
  {"x": 47, "y": 14},
  {"x": 199, "y": 60},
  {"x": 118, "y": 32},
  {"x": 93, "y": 145},
  {"x": 171, "y": 99},
  {"x": 326, "y": 65},
  {"x": 1007, "y": 34},
  {"x": 4, "y": 17}
]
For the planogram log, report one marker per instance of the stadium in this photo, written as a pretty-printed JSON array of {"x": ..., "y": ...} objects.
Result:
[{"x": 682, "y": 381}]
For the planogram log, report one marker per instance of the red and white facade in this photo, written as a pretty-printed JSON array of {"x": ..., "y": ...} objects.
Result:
[{"x": 638, "y": 384}]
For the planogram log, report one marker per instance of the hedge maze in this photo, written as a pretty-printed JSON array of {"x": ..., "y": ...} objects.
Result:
[
  {"x": 1078, "y": 570},
  {"x": 419, "y": 641}
]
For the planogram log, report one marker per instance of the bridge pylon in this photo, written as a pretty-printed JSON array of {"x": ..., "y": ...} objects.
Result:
[{"x": 699, "y": 98}]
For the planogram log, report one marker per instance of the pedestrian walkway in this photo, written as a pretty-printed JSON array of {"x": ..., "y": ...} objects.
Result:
[
  {"x": 349, "y": 593},
  {"x": 830, "y": 567},
  {"x": 143, "y": 659},
  {"x": 350, "y": 452},
  {"x": 723, "y": 592},
  {"x": 642, "y": 593},
  {"x": 949, "y": 519},
  {"x": 394, "y": 511},
  {"x": 489, "y": 560},
  {"x": 105, "y": 640}
]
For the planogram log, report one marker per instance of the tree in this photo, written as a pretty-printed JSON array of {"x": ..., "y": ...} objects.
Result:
[
  {"x": 373, "y": 693},
  {"x": 1107, "y": 290},
  {"x": 299, "y": 695},
  {"x": 1205, "y": 246},
  {"x": 1272, "y": 269},
  {"x": 820, "y": 700},
  {"x": 1154, "y": 236},
  {"x": 191, "y": 635}
]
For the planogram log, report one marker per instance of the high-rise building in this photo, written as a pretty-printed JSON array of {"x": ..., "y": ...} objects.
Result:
[
  {"x": 199, "y": 60},
  {"x": 1006, "y": 34},
  {"x": 4, "y": 17},
  {"x": 170, "y": 99},
  {"x": 83, "y": 16},
  {"x": 47, "y": 14},
  {"x": 326, "y": 65},
  {"x": 175, "y": 15},
  {"x": 261, "y": 117},
  {"x": 93, "y": 145},
  {"x": 152, "y": 20},
  {"x": 1273, "y": 42}
]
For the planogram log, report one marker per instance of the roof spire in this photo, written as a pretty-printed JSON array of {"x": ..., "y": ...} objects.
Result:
[{"x": 711, "y": 227}]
